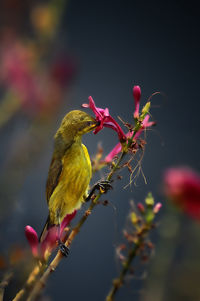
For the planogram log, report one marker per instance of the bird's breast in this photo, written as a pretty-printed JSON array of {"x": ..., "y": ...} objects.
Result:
[{"x": 73, "y": 181}]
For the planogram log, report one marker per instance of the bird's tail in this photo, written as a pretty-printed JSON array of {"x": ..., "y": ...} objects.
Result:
[{"x": 45, "y": 229}]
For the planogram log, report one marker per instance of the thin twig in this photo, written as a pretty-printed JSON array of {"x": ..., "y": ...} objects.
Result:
[
  {"x": 33, "y": 277},
  {"x": 118, "y": 282},
  {"x": 4, "y": 283}
]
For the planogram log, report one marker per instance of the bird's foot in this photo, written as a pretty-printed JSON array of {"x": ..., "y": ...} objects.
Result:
[
  {"x": 63, "y": 249},
  {"x": 103, "y": 186}
]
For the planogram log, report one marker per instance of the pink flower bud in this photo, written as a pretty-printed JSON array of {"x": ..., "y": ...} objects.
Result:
[
  {"x": 32, "y": 238},
  {"x": 141, "y": 207},
  {"x": 157, "y": 208},
  {"x": 136, "y": 96}
]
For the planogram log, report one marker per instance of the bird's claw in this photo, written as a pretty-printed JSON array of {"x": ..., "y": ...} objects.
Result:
[
  {"x": 63, "y": 249},
  {"x": 103, "y": 186}
]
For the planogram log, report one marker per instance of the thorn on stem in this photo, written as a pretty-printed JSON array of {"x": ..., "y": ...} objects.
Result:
[{"x": 87, "y": 213}]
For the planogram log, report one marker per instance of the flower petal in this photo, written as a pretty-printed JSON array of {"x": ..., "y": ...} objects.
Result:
[
  {"x": 66, "y": 221},
  {"x": 116, "y": 150},
  {"x": 50, "y": 242}
]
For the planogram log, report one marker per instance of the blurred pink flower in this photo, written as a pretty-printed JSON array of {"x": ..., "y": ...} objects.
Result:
[
  {"x": 157, "y": 208},
  {"x": 104, "y": 118},
  {"x": 53, "y": 235},
  {"x": 141, "y": 207},
  {"x": 182, "y": 186},
  {"x": 63, "y": 70},
  {"x": 17, "y": 72},
  {"x": 37, "y": 87}
]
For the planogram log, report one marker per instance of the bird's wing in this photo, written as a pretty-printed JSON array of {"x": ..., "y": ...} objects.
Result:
[{"x": 53, "y": 176}]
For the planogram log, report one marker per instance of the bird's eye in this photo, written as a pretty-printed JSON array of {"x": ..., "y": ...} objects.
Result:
[{"x": 89, "y": 123}]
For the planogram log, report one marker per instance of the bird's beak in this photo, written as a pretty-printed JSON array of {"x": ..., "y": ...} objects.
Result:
[{"x": 95, "y": 124}]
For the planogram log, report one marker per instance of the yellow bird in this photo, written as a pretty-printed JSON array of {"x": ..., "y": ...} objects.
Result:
[{"x": 70, "y": 169}]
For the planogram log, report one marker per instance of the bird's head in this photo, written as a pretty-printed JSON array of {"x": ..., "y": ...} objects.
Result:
[{"x": 76, "y": 123}]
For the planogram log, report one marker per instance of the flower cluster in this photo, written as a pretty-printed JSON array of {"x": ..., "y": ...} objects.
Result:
[
  {"x": 141, "y": 220},
  {"x": 182, "y": 187},
  {"x": 43, "y": 249},
  {"x": 106, "y": 120},
  {"x": 138, "y": 244}
]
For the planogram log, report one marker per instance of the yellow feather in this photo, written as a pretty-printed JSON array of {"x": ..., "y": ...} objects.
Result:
[{"x": 73, "y": 183}]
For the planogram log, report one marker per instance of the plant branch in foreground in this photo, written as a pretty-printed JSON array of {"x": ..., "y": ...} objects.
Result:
[{"x": 138, "y": 240}]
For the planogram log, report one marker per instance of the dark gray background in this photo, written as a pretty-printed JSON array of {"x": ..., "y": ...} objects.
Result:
[{"x": 121, "y": 43}]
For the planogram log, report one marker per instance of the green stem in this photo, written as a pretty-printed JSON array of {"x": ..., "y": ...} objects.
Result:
[
  {"x": 118, "y": 282},
  {"x": 116, "y": 166}
]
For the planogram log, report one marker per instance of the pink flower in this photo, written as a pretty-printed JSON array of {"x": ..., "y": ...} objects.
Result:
[
  {"x": 117, "y": 149},
  {"x": 182, "y": 186},
  {"x": 40, "y": 249},
  {"x": 136, "y": 96},
  {"x": 104, "y": 118}
]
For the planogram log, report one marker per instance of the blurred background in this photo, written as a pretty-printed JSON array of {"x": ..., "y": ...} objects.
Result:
[{"x": 53, "y": 55}]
